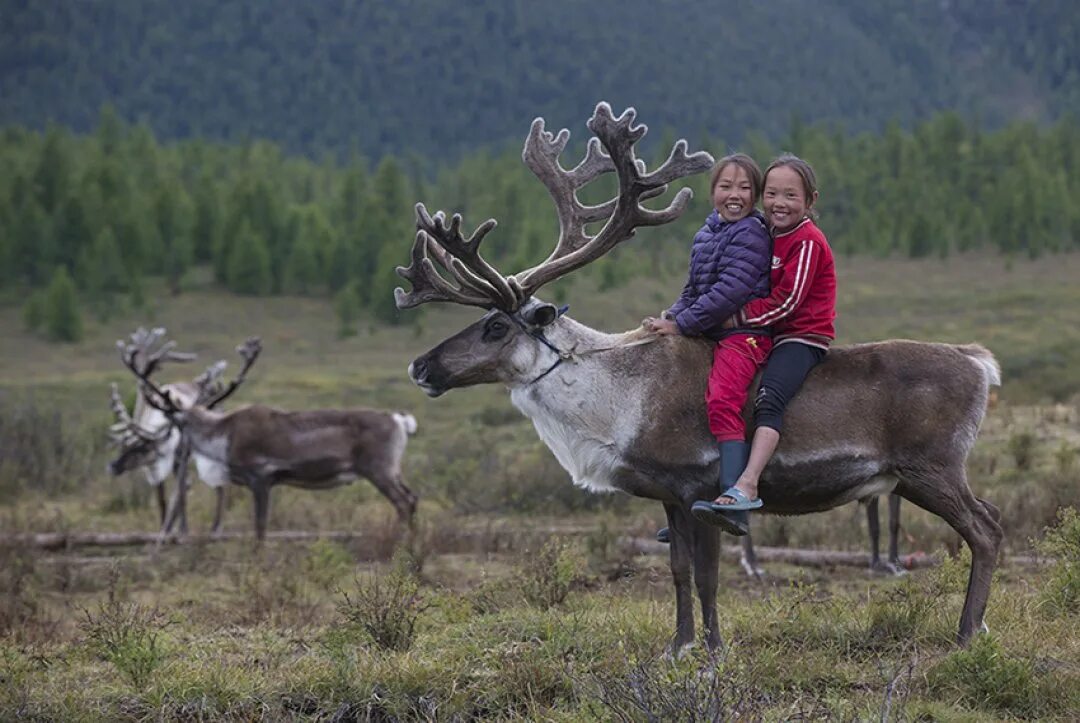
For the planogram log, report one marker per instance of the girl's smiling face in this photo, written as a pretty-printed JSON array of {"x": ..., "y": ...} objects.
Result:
[
  {"x": 733, "y": 194},
  {"x": 784, "y": 199}
]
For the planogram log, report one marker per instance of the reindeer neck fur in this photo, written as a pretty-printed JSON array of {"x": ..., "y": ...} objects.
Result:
[
  {"x": 583, "y": 410},
  {"x": 209, "y": 435}
]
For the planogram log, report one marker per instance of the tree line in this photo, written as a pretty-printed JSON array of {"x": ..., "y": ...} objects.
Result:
[
  {"x": 444, "y": 77},
  {"x": 87, "y": 220}
]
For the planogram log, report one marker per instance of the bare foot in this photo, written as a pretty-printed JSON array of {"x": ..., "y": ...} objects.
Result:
[{"x": 727, "y": 499}]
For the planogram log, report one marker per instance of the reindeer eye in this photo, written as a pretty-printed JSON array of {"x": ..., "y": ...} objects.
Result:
[{"x": 496, "y": 329}]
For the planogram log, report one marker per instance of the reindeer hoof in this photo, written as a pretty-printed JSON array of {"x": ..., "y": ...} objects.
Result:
[
  {"x": 894, "y": 569},
  {"x": 752, "y": 571}
]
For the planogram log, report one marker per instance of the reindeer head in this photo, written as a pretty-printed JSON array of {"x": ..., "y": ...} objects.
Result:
[
  {"x": 137, "y": 446},
  {"x": 508, "y": 343},
  {"x": 210, "y": 391}
]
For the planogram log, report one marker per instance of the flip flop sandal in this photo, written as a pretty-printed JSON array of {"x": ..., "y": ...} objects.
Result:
[
  {"x": 716, "y": 515},
  {"x": 742, "y": 502}
]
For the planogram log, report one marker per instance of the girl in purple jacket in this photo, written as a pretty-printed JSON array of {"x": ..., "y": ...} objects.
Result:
[{"x": 729, "y": 265}]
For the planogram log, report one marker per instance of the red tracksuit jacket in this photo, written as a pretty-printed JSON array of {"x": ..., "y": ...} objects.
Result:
[{"x": 802, "y": 304}]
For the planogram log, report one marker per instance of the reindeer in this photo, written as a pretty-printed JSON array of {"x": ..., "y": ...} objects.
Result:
[
  {"x": 626, "y": 412},
  {"x": 149, "y": 441},
  {"x": 258, "y": 446}
]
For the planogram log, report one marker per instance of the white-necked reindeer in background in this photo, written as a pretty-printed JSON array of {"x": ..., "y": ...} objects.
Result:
[
  {"x": 257, "y": 446},
  {"x": 626, "y": 411},
  {"x": 147, "y": 441}
]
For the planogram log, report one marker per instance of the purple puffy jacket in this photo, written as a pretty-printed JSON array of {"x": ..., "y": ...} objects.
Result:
[{"x": 729, "y": 265}]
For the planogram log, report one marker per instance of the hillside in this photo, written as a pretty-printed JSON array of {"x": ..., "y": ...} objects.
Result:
[{"x": 437, "y": 77}]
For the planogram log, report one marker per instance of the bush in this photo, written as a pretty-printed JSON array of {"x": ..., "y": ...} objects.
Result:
[
  {"x": 386, "y": 608},
  {"x": 127, "y": 635},
  {"x": 1061, "y": 593},
  {"x": 985, "y": 676},
  {"x": 18, "y": 605},
  {"x": 900, "y": 615},
  {"x": 42, "y": 447},
  {"x": 694, "y": 689},
  {"x": 326, "y": 563},
  {"x": 545, "y": 577},
  {"x": 1022, "y": 448}
]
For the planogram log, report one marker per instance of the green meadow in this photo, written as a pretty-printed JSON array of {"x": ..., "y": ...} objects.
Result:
[{"x": 519, "y": 597}]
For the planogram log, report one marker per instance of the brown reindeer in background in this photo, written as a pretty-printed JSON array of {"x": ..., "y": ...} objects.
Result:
[
  {"x": 626, "y": 412},
  {"x": 258, "y": 446}
]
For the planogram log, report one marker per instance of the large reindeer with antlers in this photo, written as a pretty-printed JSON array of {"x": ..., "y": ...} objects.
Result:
[
  {"x": 146, "y": 440},
  {"x": 259, "y": 446},
  {"x": 626, "y": 411}
]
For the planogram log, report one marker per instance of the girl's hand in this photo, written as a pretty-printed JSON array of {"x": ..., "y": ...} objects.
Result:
[{"x": 664, "y": 327}]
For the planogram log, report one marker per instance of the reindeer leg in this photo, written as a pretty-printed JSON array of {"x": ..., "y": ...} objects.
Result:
[
  {"x": 748, "y": 558},
  {"x": 400, "y": 496},
  {"x": 170, "y": 515},
  {"x": 946, "y": 494},
  {"x": 873, "y": 524},
  {"x": 894, "y": 535},
  {"x": 410, "y": 499},
  {"x": 261, "y": 490},
  {"x": 163, "y": 505},
  {"x": 220, "y": 491},
  {"x": 681, "y": 550},
  {"x": 706, "y": 577},
  {"x": 180, "y": 471}
]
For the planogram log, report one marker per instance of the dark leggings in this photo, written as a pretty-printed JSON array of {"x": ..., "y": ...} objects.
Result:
[{"x": 785, "y": 372}]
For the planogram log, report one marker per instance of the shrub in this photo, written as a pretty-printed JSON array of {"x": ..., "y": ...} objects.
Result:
[
  {"x": 546, "y": 577},
  {"x": 1061, "y": 593},
  {"x": 127, "y": 635},
  {"x": 43, "y": 447},
  {"x": 1022, "y": 448},
  {"x": 326, "y": 563},
  {"x": 693, "y": 689},
  {"x": 18, "y": 605},
  {"x": 898, "y": 616},
  {"x": 386, "y": 607},
  {"x": 985, "y": 676}
]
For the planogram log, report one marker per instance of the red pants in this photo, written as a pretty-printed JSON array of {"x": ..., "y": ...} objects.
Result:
[{"x": 736, "y": 360}]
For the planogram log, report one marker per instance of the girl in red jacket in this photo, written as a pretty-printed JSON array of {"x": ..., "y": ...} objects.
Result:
[{"x": 800, "y": 310}]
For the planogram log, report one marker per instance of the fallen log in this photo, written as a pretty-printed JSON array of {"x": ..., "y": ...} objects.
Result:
[
  {"x": 479, "y": 540},
  {"x": 67, "y": 540}
]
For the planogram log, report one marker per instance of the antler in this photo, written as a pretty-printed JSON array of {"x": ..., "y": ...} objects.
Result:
[
  {"x": 209, "y": 382},
  {"x": 624, "y": 212},
  {"x": 479, "y": 284},
  {"x": 130, "y": 356},
  {"x": 125, "y": 427},
  {"x": 249, "y": 351},
  {"x": 147, "y": 358},
  {"x": 143, "y": 360}
]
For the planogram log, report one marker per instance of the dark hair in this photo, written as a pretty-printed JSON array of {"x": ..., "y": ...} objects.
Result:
[
  {"x": 748, "y": 164},
  {"x": 806, "y": 173}
]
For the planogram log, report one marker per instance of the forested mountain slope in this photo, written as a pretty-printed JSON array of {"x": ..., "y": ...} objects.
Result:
[{"x": 440, "y": 77}]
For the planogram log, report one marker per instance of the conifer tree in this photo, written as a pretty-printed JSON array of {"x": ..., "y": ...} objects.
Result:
[
  {"x": 347, "y": 306},
  {"x": 60, "y": 310},
  {"x": 249, "y": 264}
]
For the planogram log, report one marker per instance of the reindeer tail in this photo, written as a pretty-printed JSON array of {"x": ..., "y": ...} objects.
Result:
[
  {"x": 406, "y": 421},
  {"x": 985, "y": 358}
]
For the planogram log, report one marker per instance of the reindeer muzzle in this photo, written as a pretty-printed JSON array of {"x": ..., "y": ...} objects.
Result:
[{"x": 425, "y": 373}]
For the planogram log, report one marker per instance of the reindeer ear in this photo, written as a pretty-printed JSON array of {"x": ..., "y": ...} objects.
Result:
[{"x": 541, "y": 315}]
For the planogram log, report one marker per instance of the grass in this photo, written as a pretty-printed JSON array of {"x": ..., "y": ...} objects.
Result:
[{"x": 502, "y": 619}]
